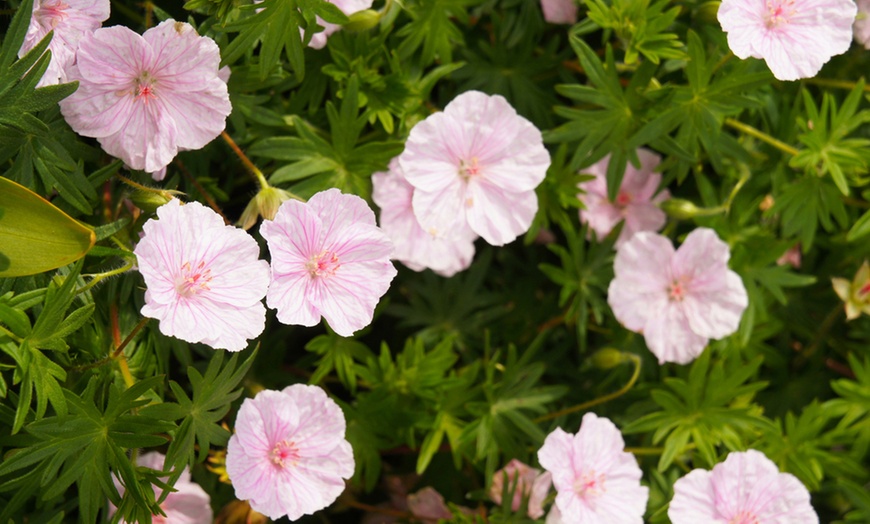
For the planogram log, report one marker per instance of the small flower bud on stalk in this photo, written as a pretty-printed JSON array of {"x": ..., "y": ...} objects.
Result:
[
  {"x": 684, "y": 209},
  {"x": 148, "y": 200},
  {"x": 608, "y": 358},
  {"x": 363, "y": 20},
  {"x": 265, "y": 205}
]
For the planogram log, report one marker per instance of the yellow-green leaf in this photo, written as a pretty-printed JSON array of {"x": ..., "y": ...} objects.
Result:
[{"x": 36, "y": 236}]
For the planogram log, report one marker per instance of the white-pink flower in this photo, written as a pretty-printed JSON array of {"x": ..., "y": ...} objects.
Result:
[
  {"x": 145, "y": 98},
  {"x": 70, "y": 20},
  {"x": 204, "y": 279},
  {"x": 329, "y": 260},
  {"x": 596, "y": 480},
  {"x": 677, "y": 299},
  {"x": 795, "y": 37},
  {"x": 348, "y": 7},
  {"x": 559, "y": 11},
  {"x": 634, "y": 202},
  {"x": 746, "y": 488},
  {"x": 861, "y": 27},
  {"x": 527, "y": 482},
  {"x": 475, "y": 164},
  {"x": 415, "y": 247},
  {"x": 188, "y": 504},
  {"x": 288, "y": 456}
]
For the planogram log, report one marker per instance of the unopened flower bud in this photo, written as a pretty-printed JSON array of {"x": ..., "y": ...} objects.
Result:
[
  {"x": 363, "y": 20},
  {"x": 265, "y": 205},
  {"x": 149, "y": 201},
  {"x": 680, "y": 208},
  {"x": 607, "y": 358}
]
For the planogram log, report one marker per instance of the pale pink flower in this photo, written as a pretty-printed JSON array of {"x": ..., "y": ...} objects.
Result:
[
  {"x": 188, "y": 504},
  {"x": 746, "y": 488},
  {"x": 795, "y": 37},
  {"x": 596, "y": 480},
  {"x": 329, "y": 260},
  {"x": 204, "y": 279},
  {"x": 677, "y": 299},
  {"x": 415, "y": 247},
  {"x": 559, "y": 11},
  {"x": 634, "y": 202},
  {"x": 288, "y": 456},
  {"x": 348, "y": 7},
  {"x": 861, "y": 27},
  {"x": 475, "y": 164},
  {"x": 70, "y": 20},
  {"x": 527, "y": 482},
  {"x": 145, "y": 98}
]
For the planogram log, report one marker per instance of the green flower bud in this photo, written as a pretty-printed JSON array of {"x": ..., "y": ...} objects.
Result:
[
  {"x": 607, "y": 358},
  {"x": 363, "y": 20},
  {"x": 680, "y": 208},
  {"x": 265, "y": 205},
  {"x": 149, "y": 201}
]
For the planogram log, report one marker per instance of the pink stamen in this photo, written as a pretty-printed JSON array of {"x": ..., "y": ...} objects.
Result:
[
  {"x": 284, "y": 453},
  {"x": 323, "y": 265},
  {"x": 779, "y": 12},
  {"x": 590, "y": 484},
  {"x": 623, "y": 199},
  {"x": 193, "y": 280},
  {"x": 469, "y": 169},
  {"x": 676, "y": 291}
]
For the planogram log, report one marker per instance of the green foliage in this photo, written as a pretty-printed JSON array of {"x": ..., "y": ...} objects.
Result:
[
  {"x": 641, "y": 26},
  {"x": 710, "y": 408},
  {"x": 584, "y": 276},
  {"x": 455, "y": 376},
  {"x": 825, "y": 132},
  {"x": 339, "y": 162}
]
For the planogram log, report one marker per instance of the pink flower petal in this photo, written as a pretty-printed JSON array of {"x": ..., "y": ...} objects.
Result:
[
  {"x": 329, "y": 260},
  {"x": 595, "y": 479},
  {"x": 302, "y": 467},
  {"x": 746, "y": 487},
  {"x": 205, "y": 280}
]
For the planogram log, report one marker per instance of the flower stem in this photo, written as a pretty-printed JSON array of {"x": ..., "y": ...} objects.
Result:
[
  {"x": 600, "y": 400},
  {"x": 256, "y": 173},
  {"x": 839, "y": 84},
  {"x": 119, "y": 351},
  {"x": 205, "y": 194},
  {"x": 102, "y": 276},
  {"x": 761, "y": 135}
]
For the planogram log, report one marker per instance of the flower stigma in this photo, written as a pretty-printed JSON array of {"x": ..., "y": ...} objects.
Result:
[
  {"x": 193, "y": 280},
  {"x": 323, "y": 265},
  {"x": 284, "y": 453}
]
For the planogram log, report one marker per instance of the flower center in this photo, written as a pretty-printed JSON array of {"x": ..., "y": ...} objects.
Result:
[
  {"x": 323, "y": 265},
  {"x": 589, "y": 485},
  {"x": 193, "y": 280},
  {"x": 779, "y": 12},
  {"x": 145, "y": 87},
  {"x": 284, "y": 454},
  {"x": 622, "y": 199},
  {"x": 52, "y": 12},
  {"x": 469, "y": 169},
  {"x": 677, "y": 291},
  {"x": 744, "y": 517}
]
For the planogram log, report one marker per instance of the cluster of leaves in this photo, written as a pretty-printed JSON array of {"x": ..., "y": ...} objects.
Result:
[{"x": 471, "y": 371}]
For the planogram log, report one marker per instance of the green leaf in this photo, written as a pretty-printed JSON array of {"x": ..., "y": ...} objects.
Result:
[{"x": 36, "y": 236}]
